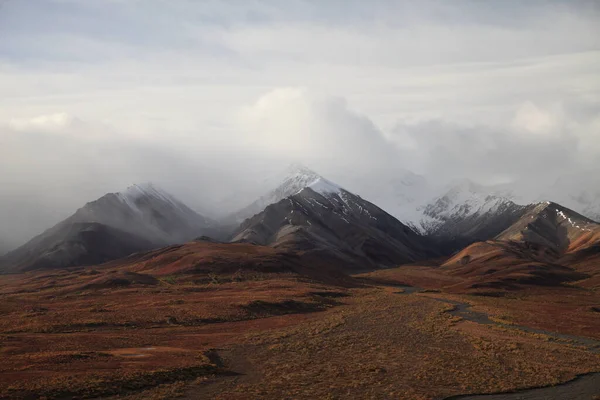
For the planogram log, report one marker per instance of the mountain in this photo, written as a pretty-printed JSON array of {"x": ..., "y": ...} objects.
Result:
[
  {"x": 552, "y": 225},
  {"x": 468, "y": 212},
  {"x": 80, "y": 243},
  {"x": 146, "y": 211},
  {"x": 547, "y": 245},
  {"x": 296, "y": 178},
  {"x": 502, "y": 265},
  {"x": 200, "y": 259},
  {"x": 139, "y": 218},
  {"x": 4, "y": 248},
  {"x": 320, "y": 217}
]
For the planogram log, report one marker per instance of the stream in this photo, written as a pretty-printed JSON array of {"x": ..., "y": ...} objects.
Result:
[{"x": 584, "y": 387}]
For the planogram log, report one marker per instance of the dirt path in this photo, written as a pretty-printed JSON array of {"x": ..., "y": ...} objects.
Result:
[
  {"x": 464, "y": 311},
  {"x": 586, "y": 387}
]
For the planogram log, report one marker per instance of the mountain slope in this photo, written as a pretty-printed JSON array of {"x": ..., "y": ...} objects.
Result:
[
  {"x": 508, "y": 265},
  {"x": 140, "y": 218},
  {"x": 200, "y": 259},
  {"x": 324, "y": 218},
  {"x": 551, "y": 225},
  {"x": 467, "y": 213},
  {"x": 84, "y": 243},
  {"x": 146, "y": 211},
  {"x": 548, "y": 245},
  {"x": 297, "y": 178},
  {"x": 3, "y": 249}
]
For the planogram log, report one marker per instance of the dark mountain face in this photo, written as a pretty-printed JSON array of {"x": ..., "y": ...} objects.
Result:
[
  {"x": 73, "y": 244},
  {"x": 324, "y": 218},
  {"x": 117, "y": 224}
]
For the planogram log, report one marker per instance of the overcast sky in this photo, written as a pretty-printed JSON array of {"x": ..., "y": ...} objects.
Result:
[{"x": 204, "y": 97}]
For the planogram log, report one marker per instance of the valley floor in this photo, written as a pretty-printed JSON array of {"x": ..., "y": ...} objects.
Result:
[{"x": 310, "y": 340}]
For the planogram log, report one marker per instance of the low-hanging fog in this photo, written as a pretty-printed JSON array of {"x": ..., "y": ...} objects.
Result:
[{"x": 210, "y": 99}]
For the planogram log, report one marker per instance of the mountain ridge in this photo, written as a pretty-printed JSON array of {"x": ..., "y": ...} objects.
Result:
[
  {"x": 324, "y": 217},
  {"x": 139, "y": 218}
]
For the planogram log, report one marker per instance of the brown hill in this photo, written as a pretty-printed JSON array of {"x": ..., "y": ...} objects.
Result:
[
  {"x": 551, "y": 225},
  {"x": 548, "y": 245},
  {"x": 508, "y": 265},
  {"x": 202, "y": 260}
]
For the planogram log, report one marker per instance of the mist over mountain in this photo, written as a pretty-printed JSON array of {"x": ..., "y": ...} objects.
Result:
[
  {"x": 139, "y": 218},
  {"x": 422, "y": 203},
  {"x": 310, "y": 213}
]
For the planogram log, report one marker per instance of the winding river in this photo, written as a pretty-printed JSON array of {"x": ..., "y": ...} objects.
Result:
[{"x": 584, "y": 387}]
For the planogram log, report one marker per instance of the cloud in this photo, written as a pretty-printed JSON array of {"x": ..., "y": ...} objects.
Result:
[
  {"x": 45, "y": 123},
  {"x": 315, "y": 128},
  {"x": 531, "y": 119},
  {"x": 535, "y": 146},
  {"x": 207, "y": 98}
]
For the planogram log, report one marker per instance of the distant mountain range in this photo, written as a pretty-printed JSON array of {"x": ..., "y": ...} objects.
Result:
[
  {"x": 432, "y": 209},
  {"x": 307, "y": 213}
]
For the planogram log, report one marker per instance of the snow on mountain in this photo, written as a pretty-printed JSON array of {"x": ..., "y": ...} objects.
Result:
[
  {"x": 323, "y": 217},
  {"x": 466, "y": 212},
  {"x": 550, "y": 224},
  {"x": 430, "y": 209},
  {"x": 296, "y": 178},
  {"x": 116, "y": 224},
  {"x": 138, "y": 191},
  {"x": 147, "y": 211},
  {"x": 323, "y": 186},
  {"x": 464, "y": 199},
  {"x": 579, "y": 192}
]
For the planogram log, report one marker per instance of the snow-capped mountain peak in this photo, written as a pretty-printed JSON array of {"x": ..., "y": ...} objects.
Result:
[
  {"x": 325, "y": 218},
  {"x": 464, "y": 207},
  {"x": 463, "y": 199},
  {"x": 132, "y": 195},
  {"x": 323, "y": 186},
  {"x": 297, "y": 178},
  {"x": 144, "y": 189}
]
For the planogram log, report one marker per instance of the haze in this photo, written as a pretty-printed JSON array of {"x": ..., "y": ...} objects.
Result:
[{"x": 208, "y": 99}]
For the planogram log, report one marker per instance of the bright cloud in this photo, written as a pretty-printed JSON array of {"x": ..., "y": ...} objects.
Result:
[{"x": 52, "y": 122}]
